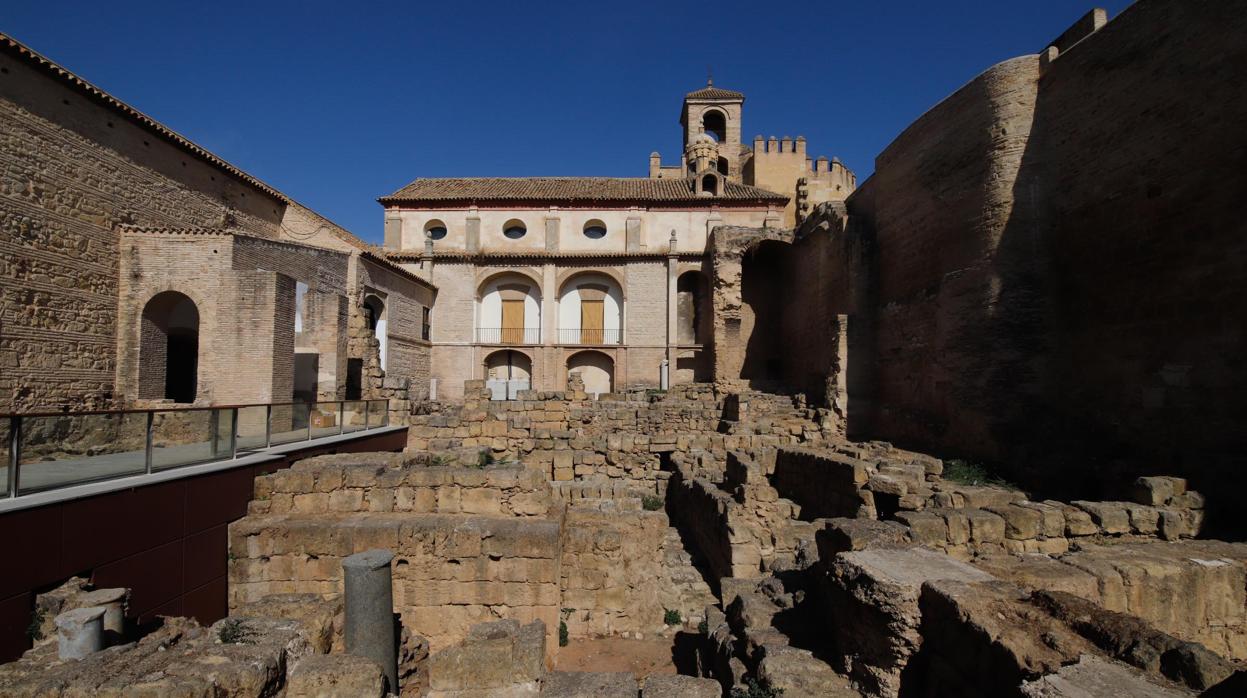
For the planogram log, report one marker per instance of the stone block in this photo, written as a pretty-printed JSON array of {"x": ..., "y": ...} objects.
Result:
[
  {"x": 1144, "y": 520},
  {"x": 1095, "y": 676},
  {"x": 925, "y": 528},
  {"x": 1021, "y": 523},
  {"x": 1152, "y": 491},
  {"x": 481, "y": 500},
  {"x": 324, "y": 675},
  {"x": 678, "y": 686},
  {"x": 985, "y": 527},
  {"x": 1110, "y": 517},
  {"x": 589, "y": 684}
]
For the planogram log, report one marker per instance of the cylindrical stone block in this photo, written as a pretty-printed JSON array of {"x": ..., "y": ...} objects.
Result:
[
  {"x": 80, "y": 632},
  {"x": 369, "y": 628},
  {"x": 113, "y": 602}
]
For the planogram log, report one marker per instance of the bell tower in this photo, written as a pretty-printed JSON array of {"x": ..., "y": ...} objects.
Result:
[{"x": 715, "y": 112}]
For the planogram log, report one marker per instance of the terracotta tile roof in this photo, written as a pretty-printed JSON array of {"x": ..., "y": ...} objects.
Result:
[
  {"x": 588, "y": 189},
  {"x": 712, "y": 92},
  {"x": 23, "y": 52}
]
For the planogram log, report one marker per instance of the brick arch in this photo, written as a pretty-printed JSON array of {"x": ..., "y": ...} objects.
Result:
[
  {"x": 169, "y": 347},
  {"x": 567, "y": 276},
  {"x": 483, "y": 279}
]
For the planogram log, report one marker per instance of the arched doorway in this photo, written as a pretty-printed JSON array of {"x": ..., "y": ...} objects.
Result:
[
  {"x": 169, "y": 348},
  {"x": 590, "y": 310},
  {"x": 596, "y": 369},
  {"x": 508, "y": 310},
  {"x": 690, "y": 316},
  {"x": 507, "y": 372},
  {"x": 764, "y": 292},
  {"x": 374, "y": 315}
]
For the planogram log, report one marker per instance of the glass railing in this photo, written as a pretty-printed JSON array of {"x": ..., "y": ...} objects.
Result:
[{"x": 44, "y": 452}]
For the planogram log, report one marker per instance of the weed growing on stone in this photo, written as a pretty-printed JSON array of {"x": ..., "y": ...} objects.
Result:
[
  {"x": 651, "y": 502},
  {"x": 34, "y": 631},
  {"x": 969, "y": 473},
  {"x": 756, "y": 689},
  {"x": 563, "y": 636},
  {"x": 703, "y": 627},
  {"x": 442, "y": 459},
  {"x": 233, "y": 632},
  {"x": 484, "y": 459},
  {"x": 671, "y": 617}
]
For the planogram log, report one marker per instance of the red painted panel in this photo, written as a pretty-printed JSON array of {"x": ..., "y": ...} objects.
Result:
[
  {"x": 14, "y": 619},
  {"x": 31, "y": 541},
  {"x": 154, "y": 577},
  {"x": 208, "y": 603},
  {"x": 172, "y": 608},
  {"x": 120, "y": 524},
  {"x": 217, "y": 498},
  {"x": 206, "y": 556}
]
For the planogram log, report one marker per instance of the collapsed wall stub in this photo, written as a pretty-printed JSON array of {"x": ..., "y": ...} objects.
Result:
[{"x": 791, "y": 311}]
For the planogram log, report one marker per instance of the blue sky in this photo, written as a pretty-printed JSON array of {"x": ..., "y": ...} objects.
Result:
[{"x": 338, "y": 103}]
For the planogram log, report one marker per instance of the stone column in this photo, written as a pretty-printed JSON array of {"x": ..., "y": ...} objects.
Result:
[
  {"x": 369, "y": 629},
  {"x": 80, "y": 632}
]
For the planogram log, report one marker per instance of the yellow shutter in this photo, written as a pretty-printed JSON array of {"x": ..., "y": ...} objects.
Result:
[
  {"x": 591, "y": 322},
  {"x": 513, "y": 321}
]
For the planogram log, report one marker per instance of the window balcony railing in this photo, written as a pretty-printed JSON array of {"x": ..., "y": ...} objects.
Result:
[
  {"x": 508, "y": 335},
  {"x": 586, "y": 336},
  {"x": 51, "y": 451}
]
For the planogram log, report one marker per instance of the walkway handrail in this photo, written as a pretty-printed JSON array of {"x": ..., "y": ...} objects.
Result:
[{"x": 53, "y": 450}]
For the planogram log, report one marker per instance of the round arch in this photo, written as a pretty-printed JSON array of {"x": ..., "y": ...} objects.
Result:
[
  {"x": 567, "y": 275},
  {"x": 692, "y": 311},
  {"x": 486, "y": 277},
  {"x": 508, "y": 364},
  {"x": 714, "y": 123},
  {"x": 378, "y": 320},
  {"x": 596, "y": 370},
  {"x": 169, "y": 348}
]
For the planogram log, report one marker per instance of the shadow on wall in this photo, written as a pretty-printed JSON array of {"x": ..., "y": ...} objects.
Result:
[
  {"x": 764, "y": 274},
  {"x": 1143, "y": 371}
]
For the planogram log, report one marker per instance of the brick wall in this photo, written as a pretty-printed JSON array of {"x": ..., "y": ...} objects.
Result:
[{"x": 70, "y": 171}]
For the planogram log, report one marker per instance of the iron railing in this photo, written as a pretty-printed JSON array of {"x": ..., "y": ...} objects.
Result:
[
  {"x": 587, "y": 336},
  {"x": 508, "y": 335},
  {"x": 52, "y": 450}
]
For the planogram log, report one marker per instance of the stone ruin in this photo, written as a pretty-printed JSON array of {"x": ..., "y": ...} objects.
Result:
[{"x": 739, "y": 532}]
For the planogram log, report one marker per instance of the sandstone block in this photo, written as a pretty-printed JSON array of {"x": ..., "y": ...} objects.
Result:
[
  {"x": 344, "y": 675},
  {"x": 678, "y": 686},
  {"x": 1144, "y": 520},
  {"x": 481, "y": 500},
  {"x": 1110, "y": 517},
  {"x": 561, "y": 684},
  {"x": 985, "y": 527},
  {"x": 1153, "y": 491},
  {"x": 925, "y": 527},
  {"x": 1021, "y": 523}
]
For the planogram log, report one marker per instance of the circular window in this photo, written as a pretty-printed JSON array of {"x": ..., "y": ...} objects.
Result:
[
  {"x": 595, "y": 230},
  {"x": 435, "y": 229},
  {"x": 514, "y": 230}
]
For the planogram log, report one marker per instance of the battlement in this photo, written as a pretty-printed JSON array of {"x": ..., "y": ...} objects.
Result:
[{"x": 778, "y": 146}]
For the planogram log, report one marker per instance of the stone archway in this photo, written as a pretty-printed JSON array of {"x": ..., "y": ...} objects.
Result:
[
  {"x": 596, "y": 369},
  {"x": 169, "y": 348}
]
